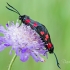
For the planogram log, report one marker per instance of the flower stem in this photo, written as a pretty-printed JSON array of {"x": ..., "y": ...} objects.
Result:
[{"x": 12, "y": 61}]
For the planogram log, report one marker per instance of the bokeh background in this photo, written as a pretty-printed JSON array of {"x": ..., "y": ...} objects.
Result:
[{"x": 55, "y": 15}]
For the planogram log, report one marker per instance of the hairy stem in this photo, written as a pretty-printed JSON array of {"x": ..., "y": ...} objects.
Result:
[{"x": 12, "y": 61}]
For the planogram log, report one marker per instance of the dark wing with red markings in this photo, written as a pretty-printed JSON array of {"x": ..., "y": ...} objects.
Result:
[
  {"x": 43, "y": 32},
  {"x": 45, "y": 36}
]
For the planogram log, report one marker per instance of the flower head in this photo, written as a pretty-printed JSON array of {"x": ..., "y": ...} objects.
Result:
[{"x": 24, "y": 41}]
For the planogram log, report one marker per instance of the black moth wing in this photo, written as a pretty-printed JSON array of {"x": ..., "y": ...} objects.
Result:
[{"x": 44, "y": 29}]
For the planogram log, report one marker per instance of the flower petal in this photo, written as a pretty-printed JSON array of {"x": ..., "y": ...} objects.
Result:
[
  {"x": 2, "y": 40},
  {"x": 2, "y": 29},
  {"x": 36, "y": 56},
  {"x": 24, "y": 57},
  {"x": 2, "y": 47}
]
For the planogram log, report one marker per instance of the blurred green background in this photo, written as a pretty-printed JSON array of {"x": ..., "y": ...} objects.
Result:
[{"x": 55, "y": 15}]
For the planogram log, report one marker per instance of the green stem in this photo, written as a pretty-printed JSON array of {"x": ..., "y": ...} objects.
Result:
[{"x": 12, "y": 61}]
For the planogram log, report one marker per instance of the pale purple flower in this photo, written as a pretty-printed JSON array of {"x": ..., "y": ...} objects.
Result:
[{"x": 23, "y": 40}]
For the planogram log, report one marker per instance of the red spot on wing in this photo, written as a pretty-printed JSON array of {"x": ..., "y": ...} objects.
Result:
[
  {"x": 27, "y": 21},
  {"x": 49, "y": 45},
  {"x": 42, "y": 32},
  {"x": 35, "y": 24},
  {"x": 46, "y": 37}
]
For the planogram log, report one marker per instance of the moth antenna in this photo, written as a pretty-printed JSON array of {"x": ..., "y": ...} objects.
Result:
[
  {"x": 12, "y": 8},
  {"x": 57, "y": 60}
]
